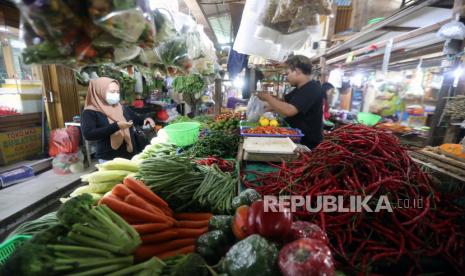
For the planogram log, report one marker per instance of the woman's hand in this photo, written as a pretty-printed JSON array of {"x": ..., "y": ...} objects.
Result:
[
  {"x": 150, "y": 121},
  {"x": 125, "y": 125}
]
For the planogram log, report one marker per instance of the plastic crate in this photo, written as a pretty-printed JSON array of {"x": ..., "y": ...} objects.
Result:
[
  {"x": 295, "y": 138},
  {"x": 8, "y": 247}
]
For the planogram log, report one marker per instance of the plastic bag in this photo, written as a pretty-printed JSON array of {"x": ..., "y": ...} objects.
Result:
[
  {"x": 452, "y": 30},
  {"x": 290, "y": 16},
  {"x": 65, "y": 163},
  {"x": 174, "y": 53},
  {"x": 79, "y": 33},
  {"x": 64, "y": 140},
  {"x": 164, "y": 25},
  {"x": 255, "y": 108}
]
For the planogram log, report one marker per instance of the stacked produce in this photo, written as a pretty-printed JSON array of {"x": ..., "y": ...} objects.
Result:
[
  {"x": 155, "y": 149},
  {"x": 216, "y": 191},
  {"x": 271, "y": 130},
  {"x": 215, "y": 143},
  {"x": 223, "y": 165},
  {"x": 259, "y": 242},
  {"x": 173, "y": 178},
  {"x": 191, "y": 185},
  {"x": 358, "y": 160},
  {"x": 108, "y": 175},
  {"x": 163, "y": 233},
  {"x": 226, "y": 122},
  {"x": 87, "y": 241}
]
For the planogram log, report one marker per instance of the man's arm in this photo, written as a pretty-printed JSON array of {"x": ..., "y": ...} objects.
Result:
[{"x": 283, "y": 108}]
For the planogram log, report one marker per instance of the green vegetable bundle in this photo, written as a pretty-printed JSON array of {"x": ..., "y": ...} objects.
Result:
[
  {"x": 217, "y": 190},
  {"x": 174, "y": 178},
  {"x": 36, "y": 226},
  {"x": 87, "y": 241},
  {"x": 216, "y": 143},
  {"x": 192, "y": 84}
]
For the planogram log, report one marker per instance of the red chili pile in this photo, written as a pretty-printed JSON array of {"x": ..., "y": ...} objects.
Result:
[
  {"x": 364, "y": 161},
  {"x": 223, "y": 165}
]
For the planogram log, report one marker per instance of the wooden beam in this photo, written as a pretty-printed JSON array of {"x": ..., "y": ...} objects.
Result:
[
  {"x": 236, "y": 10},
  {"x": 399, "y": 38},
  {"x": 218, "y": 97},
  {"x": 359, "y": 14},
  {"x": 8, "y": 59},
  {"x": 398, "y": 29},
  {"x": 197, "y": 11}
]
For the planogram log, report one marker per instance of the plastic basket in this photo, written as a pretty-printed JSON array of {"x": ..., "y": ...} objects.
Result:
[
  {"x": 183, "y": 134},
  {"x": 368, "y": 119},
  {"x": 8, "y": 247},
  {"x": 295, "y": 138}
]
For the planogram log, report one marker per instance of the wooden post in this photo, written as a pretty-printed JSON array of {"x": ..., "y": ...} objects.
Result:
[{"x": 218, "y": 96}]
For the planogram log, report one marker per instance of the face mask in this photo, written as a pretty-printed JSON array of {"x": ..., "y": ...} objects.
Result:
[{"x": 112, "y": 98}]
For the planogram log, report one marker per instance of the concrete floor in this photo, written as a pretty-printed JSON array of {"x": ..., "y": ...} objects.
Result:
[{"x": 32, "y": 198}]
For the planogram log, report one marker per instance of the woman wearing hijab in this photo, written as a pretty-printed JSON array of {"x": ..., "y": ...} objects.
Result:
[{"x": 109, "y": 123}]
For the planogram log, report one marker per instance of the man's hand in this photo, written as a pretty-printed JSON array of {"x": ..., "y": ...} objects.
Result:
[
  {"x": 264, "y": 96},
  {"x": 150, "y": 121},
  {"x": 124, "y": 125}
]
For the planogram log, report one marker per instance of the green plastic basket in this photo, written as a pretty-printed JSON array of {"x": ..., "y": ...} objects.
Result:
[
  {"x": 183, "y": 134},
  {"x": 367, "y": 118},
  {"x": 8, "y": 247}
]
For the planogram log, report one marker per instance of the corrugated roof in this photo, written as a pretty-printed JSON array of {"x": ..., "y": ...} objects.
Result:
[{"x": 221, "y": 26}]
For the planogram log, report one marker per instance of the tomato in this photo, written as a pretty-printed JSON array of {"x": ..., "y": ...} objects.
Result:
[
  {"x": 240, "y": 222},
  {"x": 306, "y": 257}
]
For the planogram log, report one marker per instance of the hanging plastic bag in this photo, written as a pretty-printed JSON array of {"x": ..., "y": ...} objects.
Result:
[
  {"x": 64, "y": 140},
  {"x": 255, "y": 108},
  {"x": 124, "y": 20},
  {"x": 452, "y": 30},
  {"x": 165, "y": 26},
  {"x": 66, "y": 163},
  {"x": 174, "y": 53}
]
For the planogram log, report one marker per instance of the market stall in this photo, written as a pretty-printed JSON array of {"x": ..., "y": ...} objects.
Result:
[{"x": 236, "y": 193}]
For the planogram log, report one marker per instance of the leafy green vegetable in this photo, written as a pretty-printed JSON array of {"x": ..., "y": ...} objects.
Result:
[
  {"x": 87, "y": 241},
  {"x": 215, "y": 143},
  {"x": 191, "y": 84},
  {"x": 33, "y": 227}
]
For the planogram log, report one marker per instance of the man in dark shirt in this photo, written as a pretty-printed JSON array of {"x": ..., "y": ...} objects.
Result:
[{"x": 303, "y": 106}]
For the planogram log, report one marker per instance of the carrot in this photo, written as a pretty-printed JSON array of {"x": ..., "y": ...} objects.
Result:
[
  {"x": 131, "y": 220},
  {"x": 193, "y": 216},
  {"x": 146, "y": 228},
  {"x": 159, "y": 237},
  {"x": 190, "y": 232},
  {"x": 147, "y": 251},
  {"x": 191, "y": 223},
  {"x": 180, "y": 251},
  {"x": 167, "y": 211},
  {"x": 140, "y": 189},
  {"x": 122, "y": 208},
  {"x": 121, "y": 191},
  {"x": 139, "y": 202}
]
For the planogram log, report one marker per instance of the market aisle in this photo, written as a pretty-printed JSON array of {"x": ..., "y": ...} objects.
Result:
[{"x": 23, "y": 201}]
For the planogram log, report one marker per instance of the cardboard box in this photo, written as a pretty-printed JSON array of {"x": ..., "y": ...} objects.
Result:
[{"x": 20, "y": 144}]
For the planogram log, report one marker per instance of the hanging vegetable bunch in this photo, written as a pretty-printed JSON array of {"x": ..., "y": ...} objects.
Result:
[{"x": 190, "y": 86}]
